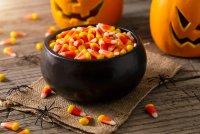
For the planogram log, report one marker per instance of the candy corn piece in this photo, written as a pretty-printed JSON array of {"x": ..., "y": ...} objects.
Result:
[
  {"x": 39, "y": 46},
  {"x": 46, "y": 91},
  {"x": 8, "y": 42},
  {"x": 75, "y": 111},
  {"x": 106, "y": 120},
  {"x": 9, "y": 52},
  {"x": 85, "y": 120},
  {"x": 33, "y": 16},
  {"x": 25, "y": 131},
  {"x": 51, "y": 30},
  {"x": 15, "y": 34},
  {"x": 2, "y": 77},
  {"x": 150, "y": 108},
  {"x": 11, "y": 125}
]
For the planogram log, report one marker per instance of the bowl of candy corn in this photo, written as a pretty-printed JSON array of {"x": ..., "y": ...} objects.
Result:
[{"x": 93, "y": 62}]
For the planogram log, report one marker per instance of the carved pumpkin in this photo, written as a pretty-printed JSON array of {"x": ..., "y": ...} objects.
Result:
[
  {"x": 78, "y": 12},
  {"x": 175, "y": 26}
]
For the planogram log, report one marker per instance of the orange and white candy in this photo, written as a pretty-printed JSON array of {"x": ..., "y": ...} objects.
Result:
[
  {"x": 85, "y": 120},
  {"x": 33, "y": 16},
  {"x": 9, "y": 51},
  {"x": 76, "y": 111},
  {"x": 46, "y": 91},
  {"x": 15, "y": 34},
  {"x": 151, "y": 110},
  {"x": 11, "y": 125},
  {"x": 25, "y": 131},
  {"x": 8, "y": 42},
  {"x": 51, "y": 30},
  {"x": 106, "y": 120}
]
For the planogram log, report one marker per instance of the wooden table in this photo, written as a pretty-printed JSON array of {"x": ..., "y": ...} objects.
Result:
[{"x": 178, "y": 106}]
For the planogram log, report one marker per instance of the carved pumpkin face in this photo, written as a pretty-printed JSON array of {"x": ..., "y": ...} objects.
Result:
[
  {"x": 175, "y": 26},
  {"x": 78, "y": 12}
]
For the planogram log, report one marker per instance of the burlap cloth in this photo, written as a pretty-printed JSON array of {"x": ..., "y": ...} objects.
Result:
[{"x": 119, "y": 110}]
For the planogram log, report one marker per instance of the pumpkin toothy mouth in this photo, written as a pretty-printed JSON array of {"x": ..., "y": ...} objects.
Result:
[
  {"x": 184, "y": 40},
  {"x": 93, "y": 12}
]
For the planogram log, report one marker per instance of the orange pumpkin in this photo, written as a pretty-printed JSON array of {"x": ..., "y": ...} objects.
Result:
[
  {"x": 175, "y": 26},
  {"x": 78, "y": 12}
]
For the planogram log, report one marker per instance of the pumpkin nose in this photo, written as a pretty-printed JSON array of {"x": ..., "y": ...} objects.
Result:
[{"x": 83, "y": 8}]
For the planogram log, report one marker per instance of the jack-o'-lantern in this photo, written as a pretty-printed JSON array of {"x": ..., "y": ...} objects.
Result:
[
  {"x": 78, "y": 12},
  {"x": 175, "y": 26}
]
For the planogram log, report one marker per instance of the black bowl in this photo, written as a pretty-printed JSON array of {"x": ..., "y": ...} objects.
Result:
[{"x": 93, "y": 80}]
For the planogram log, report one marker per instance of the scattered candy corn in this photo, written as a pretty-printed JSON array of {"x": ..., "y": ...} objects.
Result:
[
  {"x": 150, "y": 108},
  {"x": 85, "y": 120},
  {"x": 46, "y": 91},
  {"x": 9, "y": 51},
  {"x": 15, "y": 34},
  {"x": 33, "y": 16},
  {"x": 2, "y": 77},
  {"x": 105, "y": 119},
  {"x": 93, "y": 42},
  {"x": 25, "y": 131},
  {"x": 8, "y": 42},
  {"x": 39, "y": 46},
  {"x": 75, "y": 111},
  {"x": 51, "y": 30},
  {"x": 11, "y": 125}
]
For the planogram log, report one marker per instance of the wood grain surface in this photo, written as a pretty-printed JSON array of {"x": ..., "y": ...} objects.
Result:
[{"x": 178, "y": 107}]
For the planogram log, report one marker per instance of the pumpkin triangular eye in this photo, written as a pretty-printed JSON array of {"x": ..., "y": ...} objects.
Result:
[
  {"x": 182, "y": 18},
  {"x": 198, "y": 27}
]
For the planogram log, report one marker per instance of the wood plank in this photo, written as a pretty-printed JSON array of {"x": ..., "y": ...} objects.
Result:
[{"x": 178, "y": 107}]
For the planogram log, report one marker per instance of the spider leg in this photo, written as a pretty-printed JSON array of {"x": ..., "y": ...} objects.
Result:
[
  {"x": 165, "y": 84},
  {"x": 9, "y": 111},
  {"x": 51, "y": 120},
  {"x": 51, "y": 106},
  {"x": 160, "y": 83},
  {"x": 40, "y": 117},
  {"x": 54, "y": 108},
  {"x": 10, "y": 91},
  {"x": 54, "y": 114},
  {"x": 172, "y": 81},
  {"x": 152, "y": 79},
  {"x": 41, "y": 121}
]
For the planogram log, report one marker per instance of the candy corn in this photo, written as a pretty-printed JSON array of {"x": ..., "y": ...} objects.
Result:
[
  {"x": 2, "y": 77},
  {"x": 15, "y": 34},
  {"x": 51, "y": 30},
  {"x": 85, "y": 120},
  {"x": 25, "y": 131},
  {"x": 46, "y": 91},
  {"x": 9, "y": 51},
  {"x": 105, "y": 119},
  {"x": 150, "y": 108},
  {"x": 75, "y": 111},
  {"x": 39, "y": 46},
  {"x": 93, "y": 42},
  {"x": 8, "y": 42},
  {"x": 33, "y": 16},
  {"x": 11, "y": 125}
]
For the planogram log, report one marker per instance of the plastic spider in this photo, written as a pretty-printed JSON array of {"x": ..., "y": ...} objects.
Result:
[
  {"x": 28, "y": 59},
  {"x": 45, "y": 112},
  {"x": 18, "y": 88},
  {"x": 163, "y": 79}
]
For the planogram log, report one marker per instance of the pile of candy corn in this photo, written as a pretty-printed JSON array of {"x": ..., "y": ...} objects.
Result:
[
  {"x": 14, "y": 126},
  {"x": 93, "y": 42},
  {"x": 85, "y": 120}
]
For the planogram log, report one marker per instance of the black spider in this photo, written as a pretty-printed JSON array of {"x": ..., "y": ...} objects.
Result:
[
  {"x": 162, "y": 79},
  {"x": 28, "y": 59},
  {"x": 45, "y": 112},
  {"x": 18, "y": 88}
]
